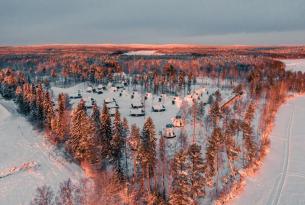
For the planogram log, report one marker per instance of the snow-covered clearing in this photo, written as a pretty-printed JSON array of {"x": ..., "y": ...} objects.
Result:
[
  {"x": 143, "y": 53},
  {"x": 281, "y": 179},
  {"x": 27, "y": 160},
  {"x": 295, "y": 65}
]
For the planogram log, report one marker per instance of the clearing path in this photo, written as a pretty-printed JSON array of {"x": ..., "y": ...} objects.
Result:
[{"x": 27, "y": 160}]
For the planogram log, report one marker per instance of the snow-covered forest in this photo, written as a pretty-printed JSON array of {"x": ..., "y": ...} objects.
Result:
[{"x": 143, "y": 129}]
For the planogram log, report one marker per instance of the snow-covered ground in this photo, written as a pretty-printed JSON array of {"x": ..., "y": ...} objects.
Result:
[
  {"x": 281, "y": 179},
  {"x": 27, "y": 160},
  {"x": 295, "y": 65},
  {"x": 143, "y": 53}
]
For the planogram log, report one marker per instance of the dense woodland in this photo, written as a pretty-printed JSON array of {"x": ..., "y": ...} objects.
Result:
[{"x": 196, "y": 172}]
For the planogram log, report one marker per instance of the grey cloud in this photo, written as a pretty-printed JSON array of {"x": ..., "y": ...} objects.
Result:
[{"x": 144, "y": 21}]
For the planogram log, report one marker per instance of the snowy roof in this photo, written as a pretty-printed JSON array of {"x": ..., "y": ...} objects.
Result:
[
  {"x": 158, "y": 107},
  {"x": 109, "y": 100},
  {"x": 89, "y": 88},
  {"x": 137, "y": 104},
  {"x": 100, "y": 86}
]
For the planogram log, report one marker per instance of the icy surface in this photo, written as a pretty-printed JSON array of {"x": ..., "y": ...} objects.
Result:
[
  {"x": 281, "y": 179},
  {"x": 27, "y": 160}
]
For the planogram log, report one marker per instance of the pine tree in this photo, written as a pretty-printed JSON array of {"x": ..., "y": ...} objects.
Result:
[
  {"x": 117, "y": 145},
  {"x": 48, "y": 110},
  {"x": 181, "y": 186},
  {"x": 95, "y": 116},
  {"x": 134, "y": 144},
  {"x": 162, "y": 157},
  {"x": 59, "y": 122},
  {"x": 82, "y": 142},
  {"x": 125, "y": 135},
  {"x": 232, "y": 149},
  {"x": 250, "y": 148},
  {"x": 106, "y": 132},
  {"x": 147, "y": 152},
  {"x": 215, "y": 113},
  {"x": 196, "y": 172},
  {"x": 212, "y": 155}
]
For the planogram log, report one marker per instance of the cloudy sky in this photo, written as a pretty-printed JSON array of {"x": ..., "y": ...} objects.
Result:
[{"x": 24, "y": 22}]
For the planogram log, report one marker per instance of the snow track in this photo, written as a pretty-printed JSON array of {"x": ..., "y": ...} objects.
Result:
[
  {"x": 281, "y": 179},
  {"x": 276, "y": 198}
]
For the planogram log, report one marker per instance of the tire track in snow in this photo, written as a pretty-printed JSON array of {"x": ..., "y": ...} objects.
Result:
[{"x": 278, "y": 191}]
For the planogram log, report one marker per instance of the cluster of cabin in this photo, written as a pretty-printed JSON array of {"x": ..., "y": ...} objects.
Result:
[{"x": 138, "y": 108}]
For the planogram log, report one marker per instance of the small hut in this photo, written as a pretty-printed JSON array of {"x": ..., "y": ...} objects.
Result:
[
  {"x": 137, "y": 105},
  {"x": 158, "y": 108},
  {"x": 89, "y": 89},
  {"x": 178, "y": 121},
  {"x": 109, "y": 100},
  {"x": 169, "y": 131}
]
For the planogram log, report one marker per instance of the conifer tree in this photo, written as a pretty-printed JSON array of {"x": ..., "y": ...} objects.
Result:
[
  {"x": 106, "y": 132},
  {"x": 215, "y": 113},
  {"x": 125, "y": 135},
  {"x": 134, "y": 144},
  {"x": 250, "y": 148},
  {"x": 212, "y": 155},
  {"x": 232, "y": 148},
  {"x": 48, "y": 111},
  {"x": 181, "y": 187},
  {"x": 117, "y": 145},
  {"x": 196, "y": 172},
  {"x": 82, "y": 142},
  {"x": 162, "y": 158},
  {"x": 147, "y": 152}
]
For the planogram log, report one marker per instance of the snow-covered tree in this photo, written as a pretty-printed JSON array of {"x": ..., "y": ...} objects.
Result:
[
  {"x": 82, "y": 141},
  {"x": 196, "y": 172},
  {"x": 117, "y": 145},
  {"x": 181, "y": 186},
  {"x": 106, "y": 132},
  {"x": 147, "y": 151}
]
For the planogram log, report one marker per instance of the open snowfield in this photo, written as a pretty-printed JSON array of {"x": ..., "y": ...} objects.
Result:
[
  {"x": 281, "y": 179},
  {"x": 27, "y": 160},
  {"x": 295, "y": 65},
  {"x": 143, "y": 53}
]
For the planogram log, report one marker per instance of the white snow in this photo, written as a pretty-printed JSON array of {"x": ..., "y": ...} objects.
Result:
[
  {"x": 295, "y": 64},
  {"x": 143, "y": 53},
  {"x": 27, "y": 160},
  {"x": 281, "y": 179}
]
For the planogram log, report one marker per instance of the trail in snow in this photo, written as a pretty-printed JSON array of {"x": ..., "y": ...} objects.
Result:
[
  {"x": 281, "y": 179},
  {"x": 279, "y": 190}
]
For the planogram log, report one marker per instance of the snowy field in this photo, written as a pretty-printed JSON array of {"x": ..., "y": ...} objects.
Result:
[
  {"x": 281, "y": 179},
  {"x": 295, "y": 65},
  {"x": 27, "y": 160},
  {"x": 143, "y": 53}
]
